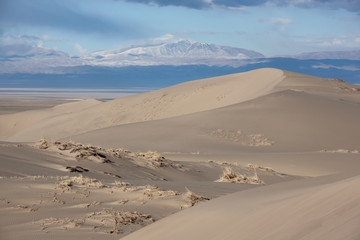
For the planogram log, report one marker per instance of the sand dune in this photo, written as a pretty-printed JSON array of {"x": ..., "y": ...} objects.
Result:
[
  {"x": 17, "y": 123},
  {"x": 307, "y": 210},
  {"x": 275, "y": 152},
  {"x": 191, "y": 97},
  {"x": 281, "y": 121},
  {"x": 178, "y": 100}
]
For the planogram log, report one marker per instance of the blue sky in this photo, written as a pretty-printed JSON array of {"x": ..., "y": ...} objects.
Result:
[{"x": 272, "y": 27}]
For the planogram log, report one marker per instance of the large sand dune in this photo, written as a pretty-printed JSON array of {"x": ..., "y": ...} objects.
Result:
[
  {"x": 306, "y": 210},
  {"x": 196, "y": 96},
  {"x": 178, "y": 100},
  {"x": 278, "y": 150},
  {"x": 282, "y": 121}
]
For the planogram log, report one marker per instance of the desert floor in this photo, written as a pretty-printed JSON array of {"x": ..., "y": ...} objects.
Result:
[{"x": 266, "y": 154}]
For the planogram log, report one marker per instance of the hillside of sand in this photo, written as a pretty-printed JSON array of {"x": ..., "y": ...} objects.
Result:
[
  {"x": 190, "y": 97},
  {"x": 276, "y": 143},
  {"x": 71, "y": 119}
]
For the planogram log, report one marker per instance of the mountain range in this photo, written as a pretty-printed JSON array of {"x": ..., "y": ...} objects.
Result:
[
  {"x": 184, "y": 52},
  {"x": 28, "y": 66},
  {"x": 178, "y": 53}
]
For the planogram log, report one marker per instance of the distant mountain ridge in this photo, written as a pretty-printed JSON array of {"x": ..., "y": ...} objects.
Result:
[
  {"x": 16, "y": 59},
  {"x": 177, "y": 53},
  {"x": 184, "y": 48}
]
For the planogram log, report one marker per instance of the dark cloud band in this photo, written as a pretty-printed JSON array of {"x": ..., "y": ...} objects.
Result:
[
  {"x": 350, "y": 5},
  {"x": 61, "y": 15}
]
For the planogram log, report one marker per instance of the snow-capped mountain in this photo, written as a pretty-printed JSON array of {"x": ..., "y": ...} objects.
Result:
[
  {"x": 179, "y": 53},
  {"x": 37, "y": 59},
  {"x": 30, "y": 59}
]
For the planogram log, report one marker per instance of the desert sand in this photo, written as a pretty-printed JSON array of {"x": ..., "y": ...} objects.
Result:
[{"x": 265, "y": 154}]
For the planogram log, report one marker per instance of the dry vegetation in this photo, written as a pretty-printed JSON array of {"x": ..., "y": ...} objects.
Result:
[
  {"x": 257, "y": 140},
  {"x": 342, "y": 151},
  {"x": 101, "y": 207},
  {"x": 79, "y": 181},
  {"x": 101, "y": 155},
  {"x": 193, "y": 198},
  {"x": 105, "y": 221},
  {"x": 154, "y": 159},
  {"x": 229, "y": 175}
]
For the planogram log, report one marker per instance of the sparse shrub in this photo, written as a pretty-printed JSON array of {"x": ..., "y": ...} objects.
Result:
[{"x": 229, "y": 175}]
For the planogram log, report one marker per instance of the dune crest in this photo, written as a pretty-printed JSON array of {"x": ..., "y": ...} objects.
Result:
[{"x": 195, "y": 96}]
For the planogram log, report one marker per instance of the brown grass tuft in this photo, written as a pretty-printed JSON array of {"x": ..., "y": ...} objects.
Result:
[
  {"x": 193, "y": 198},
  {"x": 229, "y": 175}
]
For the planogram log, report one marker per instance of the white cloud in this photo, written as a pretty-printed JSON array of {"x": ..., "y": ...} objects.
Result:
[
  {"x": 340, "y": 41},
  {"x": 328, "y": 66},
  {"x": 80, "y": 50},
  {"x": 337, "y": 42},
  {"x": 275, "y": 20},
  {"x": 165, "y": 37},
  {"x": 40, "y": 44}
]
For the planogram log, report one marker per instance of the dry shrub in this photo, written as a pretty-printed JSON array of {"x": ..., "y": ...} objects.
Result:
[
  {"x": 121, "y": 184},
  {"x": 53, "y": 222},
  {"x": 113, "y": 222},
  {"x": 229, "y": 175},
  {"x": 76, "y": 150},
  {"x": 106, "y": 221},
  {"x": 80, "y": 181},
  {"x": 224, "y": 163},
  {"x": 193, "y": 198},
  {"x": 155, "y": 159},
  {"x": 98, "y": 154},
  {"x": 151, "y": 192},
  {"x": 255, "y": 166},
  {"x": 42, "y": 144},
  {"x": 342, "y": 151},
  {"x": 27, "y": 208},
  {"x": 257, "y": 140},
  {"x": 123, "y": 202},
  {"x": 93, "y": 203},
  {"x": 154, "y": 156}
]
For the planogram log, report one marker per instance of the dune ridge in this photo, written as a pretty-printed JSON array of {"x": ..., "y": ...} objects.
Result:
[{"x": 194, "y": 96}]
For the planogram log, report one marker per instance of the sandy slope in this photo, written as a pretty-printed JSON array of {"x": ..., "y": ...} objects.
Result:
[
  {"x": 17, "y": 123},
  {"x": 41, "y": 199},
  {"x": 305, "y": 210},
  {"x": 281, "y": 121},
  {"x": 178, "y": 100}
]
